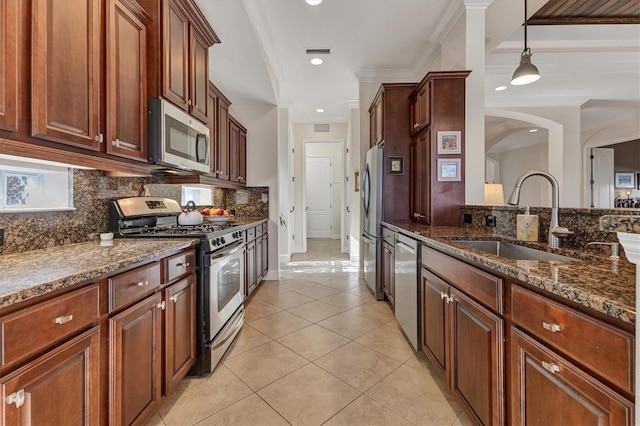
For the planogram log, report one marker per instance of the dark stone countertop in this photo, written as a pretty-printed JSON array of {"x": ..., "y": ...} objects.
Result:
[
  {"x": 35, "y": 273},
  {"x": 593, "y": 281}
]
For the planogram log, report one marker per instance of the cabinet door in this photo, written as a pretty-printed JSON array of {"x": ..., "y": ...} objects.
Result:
[
  {"x": 423, "y": 104},
  {"x": 180, "y": 332},
  {"x": 199, "y": 75},
  {"x": 392, "y": 275},
  {"x": 10, "y": 35},
  {"x": 250, "y": 268},
  {"x": 259, "y": 260},
  {"x": 372, "y": 128},
  {"x": 387, "y": 271},
  {"x": 61, "y": 387},
  {"x": 434, "y": 309},
  {"x": 135, "y": 364},
  {"x": 222, "y": 170},
  {"x": 65, "y": 97},
  {"x": 477, "y": 374},
  {"x": 420, "y": 175},
  {"x": 380, "y": 120},
  {"x": 242, "y": 158},
  {"x": 175, "y": 84},
  {"x": 126, "y": 131},
  {"x": 234, "y": 150},
  {"x": 213, "y": 129},
  {"x": 546, "y": 389},
  {"x": 265, "y": 255}
]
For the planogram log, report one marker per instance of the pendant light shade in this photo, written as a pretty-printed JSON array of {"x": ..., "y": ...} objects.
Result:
[{"x": 526, "y": 72}]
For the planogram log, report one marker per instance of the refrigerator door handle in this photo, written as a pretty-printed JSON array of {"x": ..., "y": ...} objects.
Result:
[
  {"x": 368, "y": 239},
  {"x": 366, "y": 190}
]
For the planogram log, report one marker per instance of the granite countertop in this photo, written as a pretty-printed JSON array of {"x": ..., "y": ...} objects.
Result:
[
  {"x": 593, "y": 281},
  {"x": 35, "y": 273},
  {"x": 625, "y": 223}
]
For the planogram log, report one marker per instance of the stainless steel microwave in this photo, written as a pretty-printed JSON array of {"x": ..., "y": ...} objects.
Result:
[{"x": 176, "y": 139}]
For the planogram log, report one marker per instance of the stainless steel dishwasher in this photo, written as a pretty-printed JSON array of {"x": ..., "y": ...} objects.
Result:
[{"x": 406, "y": 287}]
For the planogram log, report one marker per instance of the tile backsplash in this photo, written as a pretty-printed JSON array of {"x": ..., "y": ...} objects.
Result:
[
  {"x": 92, "y": 191},
  {"x": 584, "y": 222}
]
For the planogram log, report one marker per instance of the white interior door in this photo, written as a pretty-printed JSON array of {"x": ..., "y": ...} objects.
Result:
[
  {"x": 319, "y": 195},
  {"x": 603, "y": 178}
]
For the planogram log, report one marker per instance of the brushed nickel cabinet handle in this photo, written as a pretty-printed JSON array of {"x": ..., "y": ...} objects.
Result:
[
  {"x": 161, "y": 305},
  {"x": 16, "y": 398},
  {"x": 550, "y": 366},
  {"x": 118, "y": 143},
  {"x": 64, "y": 319},
  {"x": 174, "y": 298},
  {"x": 142, "y": 284},
  {"x": 554, "y": 328},
  {"x": 182, "y": 264}
]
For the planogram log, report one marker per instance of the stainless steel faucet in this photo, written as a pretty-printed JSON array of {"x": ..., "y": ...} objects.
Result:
[
  {"x": 615, "y": 248},
  {"x": 555, "y": 231}
]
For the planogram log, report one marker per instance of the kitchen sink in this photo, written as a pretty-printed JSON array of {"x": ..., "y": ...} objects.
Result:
[{"x": 511, "y": 251}]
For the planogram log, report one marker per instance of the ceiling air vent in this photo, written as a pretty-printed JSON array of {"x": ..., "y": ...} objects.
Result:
[
  {"x": 319, "y": 128},
  {"x": 318, "y": 51}
]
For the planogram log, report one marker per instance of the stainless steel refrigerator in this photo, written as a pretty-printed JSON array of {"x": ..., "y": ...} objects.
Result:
[{"x": 372, "y": 231}]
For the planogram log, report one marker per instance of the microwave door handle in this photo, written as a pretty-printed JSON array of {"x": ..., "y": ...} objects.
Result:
[{"x": 201, "y": 138}]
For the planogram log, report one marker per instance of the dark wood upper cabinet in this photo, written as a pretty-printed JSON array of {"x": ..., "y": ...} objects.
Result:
[
  {"x": 234, "y": 149},
  {"x": 179, "y": 38},
  {"x": 10, "y": 34},
  {"x": 388, "y": 115},
  {"x": 222, "y": 139},
  {"x": 66, "y": 54},
  {"x": 438, "y": 105},
  {"x": 126, "y": 130},
  {"x": 242, "y": 157}
]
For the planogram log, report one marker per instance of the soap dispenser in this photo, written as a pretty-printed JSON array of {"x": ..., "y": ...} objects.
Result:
[{"x": 527, "y": 226}]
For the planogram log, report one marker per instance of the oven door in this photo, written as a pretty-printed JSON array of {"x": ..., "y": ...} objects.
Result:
[{"x": 226, "y": 286}]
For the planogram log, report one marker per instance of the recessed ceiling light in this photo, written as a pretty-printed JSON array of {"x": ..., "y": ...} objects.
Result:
[
  {"x": 500, "y": 88},
  {"x": 533, "y": 130},
  {"x": 319, "y": 110},
  {"x": 316, "y": 61},
  {"x": 313, "y": 2}
]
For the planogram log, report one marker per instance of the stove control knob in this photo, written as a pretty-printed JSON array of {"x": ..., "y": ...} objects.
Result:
[
  {"x": 216, "y": 241},
  {"x": 222, "y": 240}
]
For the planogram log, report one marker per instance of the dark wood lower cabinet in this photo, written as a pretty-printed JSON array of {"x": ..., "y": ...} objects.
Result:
[
  {"x": 135, "y": 358},
  {"x": 61, "y": 387},
  {"x": 250, "y": 268},
  {"x": 180, "y": 332},
  {"x": 464, "y": 341},
  {"x": 547, "y": 389}
]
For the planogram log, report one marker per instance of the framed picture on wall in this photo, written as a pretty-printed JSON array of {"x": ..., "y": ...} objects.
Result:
[
  {"x": 449, "y": 169},
  {"x": 449, "y": 143},
  {"x": 625, "y": 180},
  {"x": 395, "y": 166}
]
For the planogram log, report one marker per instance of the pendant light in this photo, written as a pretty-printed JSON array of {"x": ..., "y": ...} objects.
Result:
[{"x": 526, "y": 72}]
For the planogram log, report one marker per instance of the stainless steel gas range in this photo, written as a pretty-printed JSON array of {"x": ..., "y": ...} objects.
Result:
[{"x": 219, "y": 269}]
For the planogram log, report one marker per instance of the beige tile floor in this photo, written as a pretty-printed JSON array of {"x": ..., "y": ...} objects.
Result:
[{"x": 316, "y": 348}]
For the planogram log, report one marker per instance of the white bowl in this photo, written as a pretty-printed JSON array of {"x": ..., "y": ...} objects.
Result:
[
  {"x": 107, "y": 236},
  {"x": 218, "y": 219}
]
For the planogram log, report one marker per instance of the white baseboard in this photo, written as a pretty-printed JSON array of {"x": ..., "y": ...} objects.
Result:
[
  {"x": 355, "y": 260},
  {"x": 272, "y": 275},
  {"x": 285, "y": 258},
  {"x": 335, "y": 237}
]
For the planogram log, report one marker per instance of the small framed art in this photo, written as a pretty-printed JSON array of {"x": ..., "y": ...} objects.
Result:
[
  {"x": 625, "y": 180},
  {"x": 449, "y": 169},
  {"x": 449, "y": 143},
  {"x": 395, "y": 166}
]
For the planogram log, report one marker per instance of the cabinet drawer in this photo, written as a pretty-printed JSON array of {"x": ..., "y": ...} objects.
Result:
[
  {"x": 259, "y": 231},
  {"x": 480, "y": 285},
  {"x": 251, "y": 234},
  {"x": 131, "y": 286},
  {"x": 30, "y": 330},
  {"x": 179, "y": 265},
  {"x": 600, "y": 347}
]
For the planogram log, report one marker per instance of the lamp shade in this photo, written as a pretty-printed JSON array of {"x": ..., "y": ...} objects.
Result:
[
  {"x": 493, "y": 194},
  {"x": 526, "y": 72}
]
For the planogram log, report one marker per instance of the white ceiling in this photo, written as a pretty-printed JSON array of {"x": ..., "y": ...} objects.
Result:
[{"x": 262, "y": 59}]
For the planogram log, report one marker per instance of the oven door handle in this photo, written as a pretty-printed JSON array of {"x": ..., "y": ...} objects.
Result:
[
  {"x": 238, "y": 321},
  {"x": 220, "y": 255}
]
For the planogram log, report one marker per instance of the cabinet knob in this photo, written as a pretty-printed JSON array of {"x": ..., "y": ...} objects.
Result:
[
  {"x": 63, "y": 319},
  {"x": 162, "y": 305},
  {"x": 99, "y": 138},
  {"x": 554, "y": 328},
  {"x": 174, "y": 298},
  {"x": 16, "y": 398},
  {"x": 189, "y": 102},
  {"x": 550, "y": 366}
]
